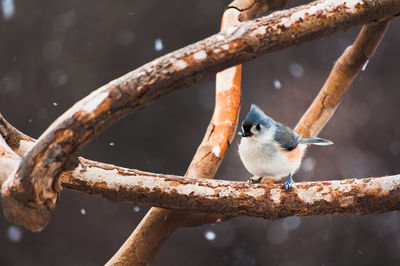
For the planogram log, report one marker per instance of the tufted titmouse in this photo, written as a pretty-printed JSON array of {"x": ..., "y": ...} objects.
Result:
[{"x": 271, "y": 149}]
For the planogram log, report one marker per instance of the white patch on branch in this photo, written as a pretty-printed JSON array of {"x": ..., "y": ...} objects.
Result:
[
  {"x": 351, "y": 4},
  {"x": 256, "y": 192},
  {"x": 260, "y": 31},
  {"x": 226, "y": 122},
  {"x": 115, "y": 181},
  {"x": 24, "y": 146},
  {"x": 190, "y": 188},
  {"x": 323, "y": 6},
  {"x": 225, "y": 79},
  {"x": 200, "y": 55},
  {"x": 276, "y": 195},
  {"x": 308, "y": 196},
  {"x": 216, "y": 150},
  {"x": 180, "y": 64},
  {"x": 231, "y": 30},
  {"x": 94, "y": 102},
  {"x": 346, "y": 201},
  {"x": 225, "y": 46}
]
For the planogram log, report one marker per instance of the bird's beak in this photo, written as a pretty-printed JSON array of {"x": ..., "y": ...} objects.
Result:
[{"x": 246, "y": 134}]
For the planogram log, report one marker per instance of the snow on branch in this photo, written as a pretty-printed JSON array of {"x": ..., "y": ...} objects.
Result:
[{"x": 232, "y": 198}]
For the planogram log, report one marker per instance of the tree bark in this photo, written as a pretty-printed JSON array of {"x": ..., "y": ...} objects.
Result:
[{"x": 231, "y": 198}]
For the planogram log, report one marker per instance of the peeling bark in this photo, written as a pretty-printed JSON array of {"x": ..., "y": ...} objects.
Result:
[
  {"x": 16, "y": 140},
  {"x": 270, "y": 201},
  {"x": 231, "y": 198}
]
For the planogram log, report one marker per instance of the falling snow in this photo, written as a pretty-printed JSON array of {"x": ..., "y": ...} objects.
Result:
[
  {"x": 158, "y": 45},
  {"x": 296, "y": 70},
  {"x": 308, "y": 164},
  {"x": 136, "y": 209},
  {"x": 83, "y": 211},
  {"x": 210, "y": 235},
  {"x": 14, "y": 233},
  {"x": 365, "y": 65},
  {"x": 111, "y": 144},
  {"x": 277, "y": 84},
  {"x": 291, "y": 223},
  {"x": 55, "y": 104},
  {"x": 8, "y": 8}
]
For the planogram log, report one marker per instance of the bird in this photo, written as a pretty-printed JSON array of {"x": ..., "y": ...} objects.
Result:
[{"x": 271, "y": 149}]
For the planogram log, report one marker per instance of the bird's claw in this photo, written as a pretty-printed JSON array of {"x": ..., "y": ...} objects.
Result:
[{"x": 288, "y": 183}]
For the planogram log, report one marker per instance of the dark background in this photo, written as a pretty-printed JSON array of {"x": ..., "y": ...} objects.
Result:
[{"x": 53, "y": 53}]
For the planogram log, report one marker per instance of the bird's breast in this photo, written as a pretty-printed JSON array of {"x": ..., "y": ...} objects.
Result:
[{"x": 269, "y": 160}]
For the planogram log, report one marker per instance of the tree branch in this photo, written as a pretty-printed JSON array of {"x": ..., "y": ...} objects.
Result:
[
  {"x": 341, "y": 77},
  {"x": 270, "y": 201}
]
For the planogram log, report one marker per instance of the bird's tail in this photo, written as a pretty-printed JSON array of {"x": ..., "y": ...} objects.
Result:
[{"x": 316, "y": 141}]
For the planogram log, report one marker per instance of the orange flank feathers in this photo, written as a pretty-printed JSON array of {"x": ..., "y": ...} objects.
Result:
[{"x": 295, "y": 154}]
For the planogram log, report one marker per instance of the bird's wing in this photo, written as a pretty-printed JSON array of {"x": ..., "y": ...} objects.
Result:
[{"x": 287, "y": 138}]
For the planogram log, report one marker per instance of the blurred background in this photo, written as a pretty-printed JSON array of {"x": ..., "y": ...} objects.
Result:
[{"x": 53, "y": 53}]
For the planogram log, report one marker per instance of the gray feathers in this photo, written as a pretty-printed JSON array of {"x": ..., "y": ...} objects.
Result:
[
  {"x": 254, "y": 117},
  {"x": 316, "y": 141},
  {"x": 287, "y": 138},
  {"x": 282, "y": 134}
]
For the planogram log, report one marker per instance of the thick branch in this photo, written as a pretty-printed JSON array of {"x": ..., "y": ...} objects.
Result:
[{"x": 270, "y": 201}]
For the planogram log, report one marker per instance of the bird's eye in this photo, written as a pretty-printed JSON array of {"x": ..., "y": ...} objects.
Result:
[{"x": 258, "y": 127}]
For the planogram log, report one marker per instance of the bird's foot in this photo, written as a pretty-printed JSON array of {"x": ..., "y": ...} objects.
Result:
[
  {"x": 288, "y": 182},
  {"x": 255, "y": 179}
]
